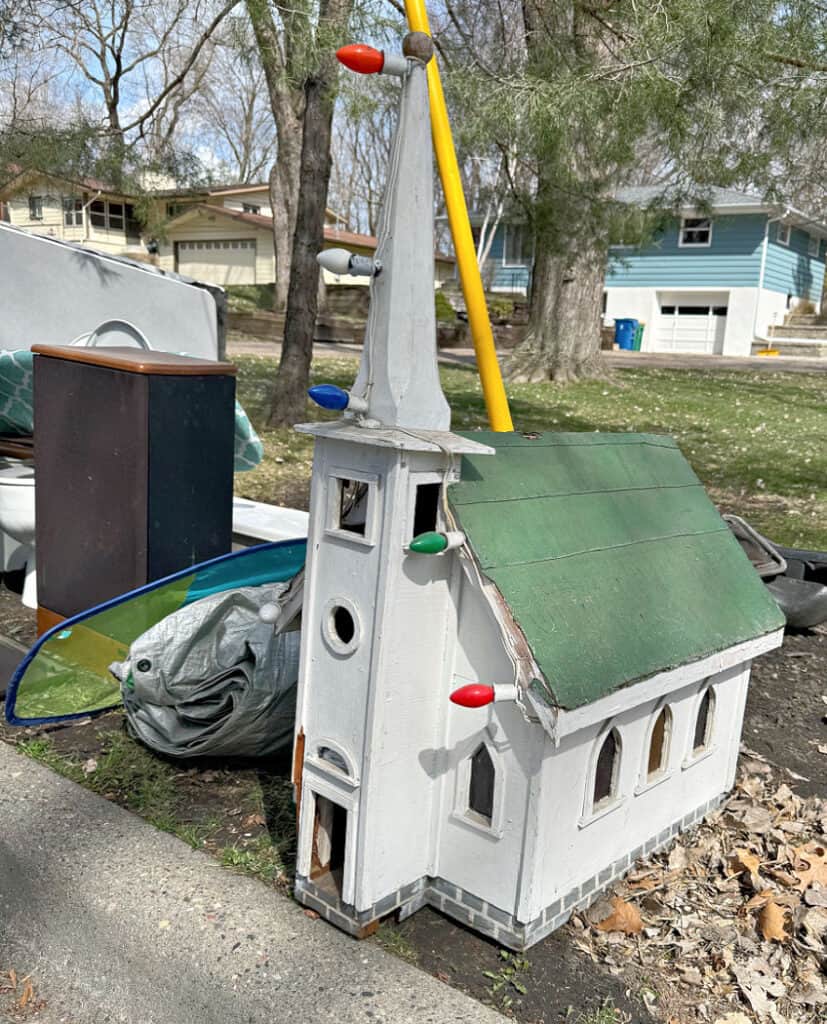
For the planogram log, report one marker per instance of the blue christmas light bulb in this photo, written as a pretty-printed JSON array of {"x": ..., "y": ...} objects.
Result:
[{"x": 328, "y": 396}]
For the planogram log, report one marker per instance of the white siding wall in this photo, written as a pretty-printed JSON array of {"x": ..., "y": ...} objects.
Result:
[
  {"x": 237, "y": 204},
  {"x": 52, "y": 225},
  {"x": 644, "y": 304},
  {"x": 487, "y": 863},
  {"x": 205, "y": 227},
  {"x": 772, "y": 308},
  {"x": 52, "y": 222},
  {"x": 572, "y": 846}
]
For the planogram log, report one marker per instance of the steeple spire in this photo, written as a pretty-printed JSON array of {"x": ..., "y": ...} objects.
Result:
[{"x": 398, "y": 377}]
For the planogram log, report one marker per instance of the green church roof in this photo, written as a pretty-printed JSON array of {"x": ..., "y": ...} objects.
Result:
[{"x": 610, "y": 555}]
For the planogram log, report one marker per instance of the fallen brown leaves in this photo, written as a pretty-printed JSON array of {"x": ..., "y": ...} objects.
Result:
[
  {"x": 731, "y": 921},
  {"x": 625, "y": 918},
  {"x": 22, "y": 999}
]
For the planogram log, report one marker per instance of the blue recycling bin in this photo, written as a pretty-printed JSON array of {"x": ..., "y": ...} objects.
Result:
[{"x": 625, "y": 332}]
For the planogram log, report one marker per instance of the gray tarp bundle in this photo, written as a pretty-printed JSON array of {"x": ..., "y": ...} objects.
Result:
[{"x": 212, "y": 679}]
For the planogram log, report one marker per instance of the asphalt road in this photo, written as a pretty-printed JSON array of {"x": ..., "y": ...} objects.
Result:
[
  {"x": 625, "y": 360},
  {"x": 117, "y": 922}
]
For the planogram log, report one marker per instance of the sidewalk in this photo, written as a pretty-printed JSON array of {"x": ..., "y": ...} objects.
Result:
[
  {"x": 117, "y": 922},
  {"x": 614, "y": 360}
]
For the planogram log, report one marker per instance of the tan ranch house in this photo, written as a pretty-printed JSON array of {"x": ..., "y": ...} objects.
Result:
[{"x": 221, "y": 235}]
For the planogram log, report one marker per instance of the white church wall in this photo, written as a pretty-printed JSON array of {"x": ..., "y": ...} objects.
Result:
[
  {"x": 344, "y": 566},
  {"x": 411, "y": 672},
  {"x": 387, "y": 729},
  {"x": 479, "y": 859},
  {"x": 580, "y": 845}
]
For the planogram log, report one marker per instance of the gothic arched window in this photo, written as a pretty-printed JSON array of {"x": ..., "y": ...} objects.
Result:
[
  {"x": 607, "y": 770},
  {"x": 703, "y": 722},
  {"x": 659, "y": 744},
  {"x": 481, "y": 784}
]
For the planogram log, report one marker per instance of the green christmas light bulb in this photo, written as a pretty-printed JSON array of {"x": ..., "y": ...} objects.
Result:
[{"x": 431, "y": 543}]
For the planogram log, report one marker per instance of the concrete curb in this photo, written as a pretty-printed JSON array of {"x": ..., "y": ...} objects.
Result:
[{"x": 118, "y": 922}]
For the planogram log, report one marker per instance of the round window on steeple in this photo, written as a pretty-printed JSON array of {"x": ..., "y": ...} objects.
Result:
[{"x": 340, "y": 626}]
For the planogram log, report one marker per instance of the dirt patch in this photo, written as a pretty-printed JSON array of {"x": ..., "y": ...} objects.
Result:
[
  {"x": 552, "y": 982},
  {"x": 16, "y": 621},
  {"x": 786, "y": 714}
]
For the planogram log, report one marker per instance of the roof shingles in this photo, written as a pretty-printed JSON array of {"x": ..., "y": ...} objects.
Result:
[{"x": 610, "y": 555}]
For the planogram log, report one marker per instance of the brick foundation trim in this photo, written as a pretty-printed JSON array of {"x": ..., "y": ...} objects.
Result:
[{"x": 484, "y": 917}]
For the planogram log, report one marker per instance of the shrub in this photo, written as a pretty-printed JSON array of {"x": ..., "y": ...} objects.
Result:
[
  {"x": 246, "y": 298},
  {"x": 444, "y": 310},
  {"x": 500, "y": 308}
]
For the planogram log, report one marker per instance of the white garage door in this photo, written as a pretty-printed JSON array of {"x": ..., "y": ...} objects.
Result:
[
  {"x": 691, "y": 322},
  {"x": 224, "y": 262}
]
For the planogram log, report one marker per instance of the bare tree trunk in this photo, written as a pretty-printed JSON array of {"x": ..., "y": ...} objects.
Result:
[
  {"x": 562, "y": 342},
  {"x": 280, "y": 57},
  {"x": 576, "y": 353},
  {"x": 289, "y": 401},
  {"x": 284, "y": 194}
]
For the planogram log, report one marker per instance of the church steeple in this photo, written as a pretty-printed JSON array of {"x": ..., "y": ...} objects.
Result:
[{"x": 398, "y": 380}]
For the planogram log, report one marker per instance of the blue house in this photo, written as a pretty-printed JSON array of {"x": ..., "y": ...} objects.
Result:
[
  {"x": 717, "y": 282},
  {"x": 710, "y": 282},
  {"x": 510, "y": 260}
]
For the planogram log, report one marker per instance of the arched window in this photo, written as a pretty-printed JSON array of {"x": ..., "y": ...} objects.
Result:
[
  {"x": 481, "y": 784},
  {"x": 334, "y": 758},
  {"x": 607, "y": 770},
  {"x": 659, "y": 744},
  {"x": 703, "y": 722}
]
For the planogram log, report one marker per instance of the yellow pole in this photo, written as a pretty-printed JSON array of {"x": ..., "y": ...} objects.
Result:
[{"x": 496, "y": 402}]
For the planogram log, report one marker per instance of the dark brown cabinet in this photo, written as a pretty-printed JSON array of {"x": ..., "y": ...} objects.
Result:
[{"x": 134, "y": 470}]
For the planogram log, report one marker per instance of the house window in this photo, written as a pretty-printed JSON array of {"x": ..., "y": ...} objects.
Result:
[
  {"x": 659, "y": 745},
  {"x": 696, "y": 231},
  {"x": 426, "y": 508},
  {"x": 481, "y": 785},
  {"x": 73, "y": 212},
  {"x": 250, "y": 208},
  {"x": 133, "y": 225},
  {"x": 352, "y": 506},
  {"x": 97, "y": 213},
  {"x": 783, "y": 234},
  {"x": 703, "y": 722},
  {"x": 814, "y": 246},
  {"x": 35, "y": 207},
  {"x": 173, "y": 209},
  {"x": 116, "y": 216},
  {"x": 607, "y": 771},
  {"x": 516, "y": 244}
]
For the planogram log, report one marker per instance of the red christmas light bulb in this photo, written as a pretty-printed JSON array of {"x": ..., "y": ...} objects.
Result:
[
  {"x": 474, "y": 695},
  {"x": 361, "y": 58}
]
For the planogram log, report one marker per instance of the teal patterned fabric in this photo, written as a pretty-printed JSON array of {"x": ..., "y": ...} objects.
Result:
[
  {"x": 16, "y": 393},
  {"x": 17, "y": 412},
  {"x": 249, "y": 450}
]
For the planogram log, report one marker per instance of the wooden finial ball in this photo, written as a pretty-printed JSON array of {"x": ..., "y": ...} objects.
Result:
[{"x": 418, "y": 45}]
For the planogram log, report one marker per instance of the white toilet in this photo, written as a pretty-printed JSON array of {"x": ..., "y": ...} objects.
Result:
[{"x": 17, "y": 522}]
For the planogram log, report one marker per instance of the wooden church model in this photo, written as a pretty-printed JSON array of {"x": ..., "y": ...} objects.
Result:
[{"x": 524, "y": 657}]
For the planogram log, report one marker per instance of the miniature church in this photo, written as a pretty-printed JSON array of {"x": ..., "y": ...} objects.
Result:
[{"x": 525, "y": 656}]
